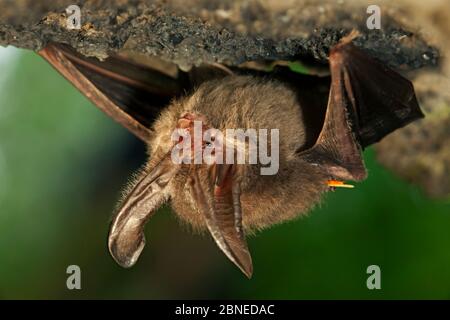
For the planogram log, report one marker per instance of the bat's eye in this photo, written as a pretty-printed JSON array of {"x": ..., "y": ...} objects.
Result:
[{"x": 208, "y": 144}]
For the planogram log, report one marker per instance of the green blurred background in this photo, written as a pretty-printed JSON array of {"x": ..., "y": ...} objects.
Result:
[{"x": 63, "y": 164}]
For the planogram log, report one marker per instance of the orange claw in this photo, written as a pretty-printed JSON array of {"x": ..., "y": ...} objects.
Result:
[{"x": 339, "y": 184}]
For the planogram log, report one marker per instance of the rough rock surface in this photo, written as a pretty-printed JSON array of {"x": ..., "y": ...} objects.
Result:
[{"x": 192, "y": 32}]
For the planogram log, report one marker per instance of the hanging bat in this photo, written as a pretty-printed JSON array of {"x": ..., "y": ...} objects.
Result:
[{"x": 320, "y": 142}]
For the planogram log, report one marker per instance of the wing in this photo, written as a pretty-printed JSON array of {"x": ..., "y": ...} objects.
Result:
[
  {"x": 381, "y": 99},
  {"x": 133, "y": 94},
  {"x": 367, "y": 101}
]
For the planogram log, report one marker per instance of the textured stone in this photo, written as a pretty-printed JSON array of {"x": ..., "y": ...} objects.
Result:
[{"x": 193, "y": 32}]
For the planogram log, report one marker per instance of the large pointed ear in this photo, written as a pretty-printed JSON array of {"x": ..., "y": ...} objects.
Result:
[
  {"x": 367, "y": 101},
  {"x": 131, "y": 93},
  {"x": 126, "y": 237},
  {"x": 218, "y": 199}
]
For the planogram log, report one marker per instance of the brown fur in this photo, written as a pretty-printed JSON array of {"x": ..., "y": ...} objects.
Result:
[{"x": 246, "y": 102}]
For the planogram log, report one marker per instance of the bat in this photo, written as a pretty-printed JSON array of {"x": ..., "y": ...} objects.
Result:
[{"x": 323, "y": 124}]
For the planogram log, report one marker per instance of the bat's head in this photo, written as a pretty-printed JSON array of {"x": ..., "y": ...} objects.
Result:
[
  {"x": 208, "y": 174},
  {"x": 185, "y": 167}
]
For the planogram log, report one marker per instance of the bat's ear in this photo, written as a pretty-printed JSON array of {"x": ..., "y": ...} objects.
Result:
[
  {"x": 219, "y": 202},
  {"x": 367, "y": 101},
  {"x": 126, "y": 237}
]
